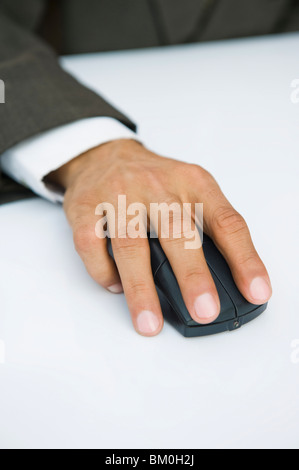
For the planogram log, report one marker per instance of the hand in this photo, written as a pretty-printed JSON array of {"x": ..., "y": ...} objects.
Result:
[{"x": 127, "y": 168}]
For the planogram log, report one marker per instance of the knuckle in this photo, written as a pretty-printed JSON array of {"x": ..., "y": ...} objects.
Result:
[
  {"x": 122, "y": 234},
  {"x": 198, "y": 169},
  {"x": 129, "y": 248},
  {"x": 192, "y": 275},
  {"x": 84, "y": 238},
  {"x": 175, "y": 226},
  {"x": 187, "y": 170},
  {"x": 213, "y": 192},
  {"x": 174, "y": 240},
  {"x": 246, "y": 259},
  {"x": 169, "y": 217},
  {"x": 102, "y": 277},
  {"x": 83, "y": 204},
  {"x": 202, "y": 178},
  {"x": 137, "y": 287},
  {"x": 228, "y": 221},
  {"x": 202, "y": 174},
  {"x": 76, "y": 209},
  {"x": 170, "y": 243}
]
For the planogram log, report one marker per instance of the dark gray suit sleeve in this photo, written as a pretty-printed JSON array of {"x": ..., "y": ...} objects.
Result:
[{"x": 39, "y": 94}]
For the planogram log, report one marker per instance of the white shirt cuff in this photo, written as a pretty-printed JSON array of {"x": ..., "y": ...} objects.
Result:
[{"x": 30, "y": 161}]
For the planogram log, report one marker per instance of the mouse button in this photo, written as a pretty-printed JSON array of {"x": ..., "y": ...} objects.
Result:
[
  {"x": 171, "y": 315},
  {"x": 242, "y": 306},
  {"x": 228, "y": 311},
  {"x": 166, "y": 281},
  {"x": 215, "y": 260},
  {"x": 246, "y": 308},
  {"x": 221, "y": 270},
  {"x": 158, "y": 256}
]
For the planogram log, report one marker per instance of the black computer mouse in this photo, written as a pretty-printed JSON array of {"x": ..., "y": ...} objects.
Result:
[{"x": 236, "y": 311}]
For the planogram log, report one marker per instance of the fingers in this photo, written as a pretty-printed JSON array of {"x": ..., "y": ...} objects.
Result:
[
  {"x": 133, "y": 273},
  {"x": 93, "y": 251},
  {"x": 189, "y": 266},
  {"x": 98, "y": 263},
  {"x": 132, "y": 257},
  {"x": 231, "y": 235}
]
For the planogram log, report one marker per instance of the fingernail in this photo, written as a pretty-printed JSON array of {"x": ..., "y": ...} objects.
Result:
[
  {"x": 116, "y": 288},
  {"x": 147, "y": 323},
  {"x": 206, "y": 307},
  {"x": 260, "y": 290}
]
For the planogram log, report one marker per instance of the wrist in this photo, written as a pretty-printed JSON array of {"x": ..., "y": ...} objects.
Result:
[{"x": 68, "y": 173}]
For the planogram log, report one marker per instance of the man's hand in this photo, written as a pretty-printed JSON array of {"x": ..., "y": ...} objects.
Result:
[{"x": 127, "y": 168}]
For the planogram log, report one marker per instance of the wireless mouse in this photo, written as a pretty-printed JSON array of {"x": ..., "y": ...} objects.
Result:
[{"x": 236, "y": 311}]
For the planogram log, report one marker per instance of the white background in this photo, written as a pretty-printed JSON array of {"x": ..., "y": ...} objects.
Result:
[{"x": 75, "y": 372}]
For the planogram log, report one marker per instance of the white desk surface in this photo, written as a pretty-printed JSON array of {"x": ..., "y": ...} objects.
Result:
[{"x": 75, "y": 372}]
